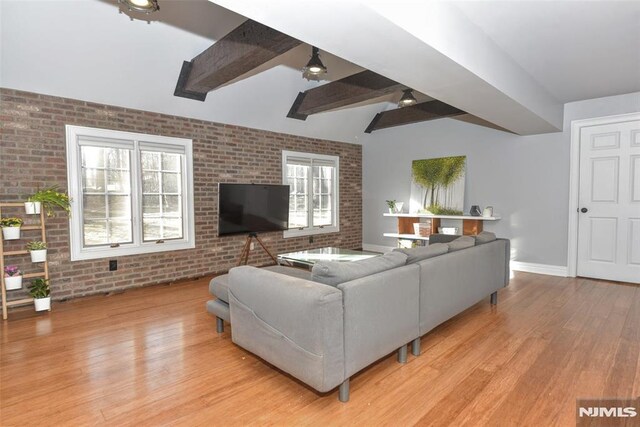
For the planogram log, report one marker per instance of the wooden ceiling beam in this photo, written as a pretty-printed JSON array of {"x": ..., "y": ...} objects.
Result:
[
  {"x": 430, "y": 110},
  {"x": 350, "y": 90},
  {"x": 245, "y": 48}
]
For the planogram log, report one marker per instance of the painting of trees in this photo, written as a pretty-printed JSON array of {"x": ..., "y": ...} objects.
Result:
[{"x": 441, "y": 184}]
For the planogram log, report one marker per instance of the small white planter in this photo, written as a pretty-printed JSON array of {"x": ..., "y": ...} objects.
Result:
[
  {"x": 11, "y": 233},
  {"x": 39, "y": 255},
  {"x": 12, "y": 283},
  {"x": 42, "y": 304},
  {"x": 32, "y": 208}
]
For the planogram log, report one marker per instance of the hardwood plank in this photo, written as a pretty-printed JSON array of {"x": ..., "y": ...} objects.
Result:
[
  {"x": 151, "y": 356},
  {"x": 424, "y": 111}
]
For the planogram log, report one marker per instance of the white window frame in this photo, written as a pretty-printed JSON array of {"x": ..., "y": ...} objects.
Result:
[
  {"x": 74, "y": 179},
  {"x": 313, "y": 230}
]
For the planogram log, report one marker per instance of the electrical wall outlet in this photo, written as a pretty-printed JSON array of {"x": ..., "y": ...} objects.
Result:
[
  {"x": 113, "y": 264},
  {"x": 310, "y": 239}
]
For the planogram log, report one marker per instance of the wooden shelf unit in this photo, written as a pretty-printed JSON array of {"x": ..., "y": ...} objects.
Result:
[
  {"x": 471, "y": 225},
  {"x": 3, "y": 254}
]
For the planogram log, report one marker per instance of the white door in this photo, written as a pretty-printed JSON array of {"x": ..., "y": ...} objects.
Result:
[{"x": 609, "y": 202}]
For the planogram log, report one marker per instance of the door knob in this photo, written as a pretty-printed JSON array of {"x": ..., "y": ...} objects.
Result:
[{"x": 584, "y": 210}]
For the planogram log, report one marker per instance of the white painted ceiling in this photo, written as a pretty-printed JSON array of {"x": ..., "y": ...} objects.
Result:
[
  {"x": 515, "y": 65},
  {"x": 576, "y": 49}
]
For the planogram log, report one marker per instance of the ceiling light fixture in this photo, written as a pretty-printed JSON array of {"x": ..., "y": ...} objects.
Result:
[
  {"x": 314, "y": 68},
  {"x": 407, "y": 99},
  {"x": 146, "y": 6}
]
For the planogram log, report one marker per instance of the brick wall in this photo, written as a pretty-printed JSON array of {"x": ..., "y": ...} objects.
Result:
[{"x": 33, "y": 154}]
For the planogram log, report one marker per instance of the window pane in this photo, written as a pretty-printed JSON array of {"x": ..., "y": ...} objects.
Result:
[
  {"x": 120, "y": 231},
  {"x": 93, "y": 180},
  {"x": 171, "y": 183},
  {"x": 119, "y": 206},
  {"x": 150, "y": 160},
  {"x": 92, "y": 157},
  {"x": 171, "y": 162},
  {"x": 117, "y": 158},
  {"x": 117, "y": 181},
  {"x": 171, "y": 205},
  {"x": 95, "y": 233},
  {"x": 151, "y": 205},
  {"x": 172, "y": 229},
  {"x": 152, "y": 229},
  {"x": 150, "y": 182},
  {"x": 94, "y": 207}
]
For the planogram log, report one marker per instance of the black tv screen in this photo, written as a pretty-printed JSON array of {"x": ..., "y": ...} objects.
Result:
[{"x": 252, "y": 208}]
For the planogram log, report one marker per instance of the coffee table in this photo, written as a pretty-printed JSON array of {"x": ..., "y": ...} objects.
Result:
[{"x": 310, "y": 257}]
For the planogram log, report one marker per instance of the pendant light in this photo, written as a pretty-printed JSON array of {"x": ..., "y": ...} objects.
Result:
[
  {"x": 146, "y": 6},
  {"x": 407, "y": 99},
  {"x": 314, "y": 68}
]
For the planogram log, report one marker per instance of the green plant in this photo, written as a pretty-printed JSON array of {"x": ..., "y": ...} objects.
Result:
[
  {"x": 36, "y": 246},
  {"x": 11, "y": 222},
  {"x": 51, "y": 198},
  {"x": 441, "y": 210},
  {"x": 39, "y": 288},
  {"x": 391, "y": 204}
]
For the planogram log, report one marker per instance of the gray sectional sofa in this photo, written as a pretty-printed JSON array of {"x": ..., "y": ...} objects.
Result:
[{"x": 324, "y": 326}]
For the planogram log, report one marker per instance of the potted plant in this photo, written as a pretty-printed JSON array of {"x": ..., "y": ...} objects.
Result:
[
  {"x": 50, "y": 199},
  {"x": 11, "y": 228},
  {"x": 12, "y": 277},
  {"x": 38, "y": 251},
  {"x": 392, "y": 206},
  {"x": 40, "y": 292},
  {"x": 32, "y": 207}
]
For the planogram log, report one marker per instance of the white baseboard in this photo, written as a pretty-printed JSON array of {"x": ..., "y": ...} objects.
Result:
[
  {"x": 377, "y": 248},
  {"x": 530, "y": 267}
]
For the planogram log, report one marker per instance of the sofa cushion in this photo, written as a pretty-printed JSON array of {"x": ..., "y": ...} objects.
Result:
[
  {"x": 485, "y": 237},
  {"x": 423, "y": 252},
  {"x": 219, "y": 285},
  {"x": 333, "y": 272},
  {"x": 461, "y": 242}
]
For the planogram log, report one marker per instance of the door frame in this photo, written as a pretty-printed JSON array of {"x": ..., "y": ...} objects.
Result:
[{"x": 574, "y": 180}]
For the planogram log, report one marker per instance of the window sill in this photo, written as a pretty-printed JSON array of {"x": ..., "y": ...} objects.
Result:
[
  {"x": 309, "y": 232},
  {"x": 108, "y": 252}
]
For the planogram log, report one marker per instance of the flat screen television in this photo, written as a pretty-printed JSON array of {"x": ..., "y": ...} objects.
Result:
[{"x": 252, "y": 208}]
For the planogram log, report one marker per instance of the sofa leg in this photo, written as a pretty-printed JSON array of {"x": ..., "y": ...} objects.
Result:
[
  {"x": 494, "y": 298},
  {"x": 415, "y": 347},
  {"x": 402, "y": 354},
  {"x": 343, "y": 391},
  {"x": 219, "y": 325}
]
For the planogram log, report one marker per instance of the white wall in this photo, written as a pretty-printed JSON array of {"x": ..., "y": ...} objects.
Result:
[{"x": 526, "y": 179}]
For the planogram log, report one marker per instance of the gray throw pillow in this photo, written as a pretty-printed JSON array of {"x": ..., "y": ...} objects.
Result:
[
  {"x": 462, "y": 242},
  {"x": 424, "y": 252},
  {"x": 485, "y": 237},
  {"x": 333, "y": 272}
]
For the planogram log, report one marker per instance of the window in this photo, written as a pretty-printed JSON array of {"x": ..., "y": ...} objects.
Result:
[
  {"x": 313, "y": 198},
  {"x": 132, "y": 193}
]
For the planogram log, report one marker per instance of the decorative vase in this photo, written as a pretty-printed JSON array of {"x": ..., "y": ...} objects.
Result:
[
  {"x": 475, "y": 210},
  {"x": 42, "y": 304},
  {"x": 11, "y": 233},
  {"x": 392, "y": 210},
  {"x": 32, "y": 208},
  {"x": 399, "y": 206},
  {"x": 11, "y": 283},
  {"x": 39, "y": 255}
]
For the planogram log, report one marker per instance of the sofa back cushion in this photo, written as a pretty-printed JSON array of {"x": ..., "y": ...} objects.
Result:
[
  {"x": 423, "y": 252},
  {"x": 461, "y": 242},
  {"x": 485, "y": 237},
  {"x": 333, "y": 272}
]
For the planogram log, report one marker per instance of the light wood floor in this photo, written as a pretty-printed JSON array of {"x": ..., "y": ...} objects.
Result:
[{"x": 152, "y": 357}]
